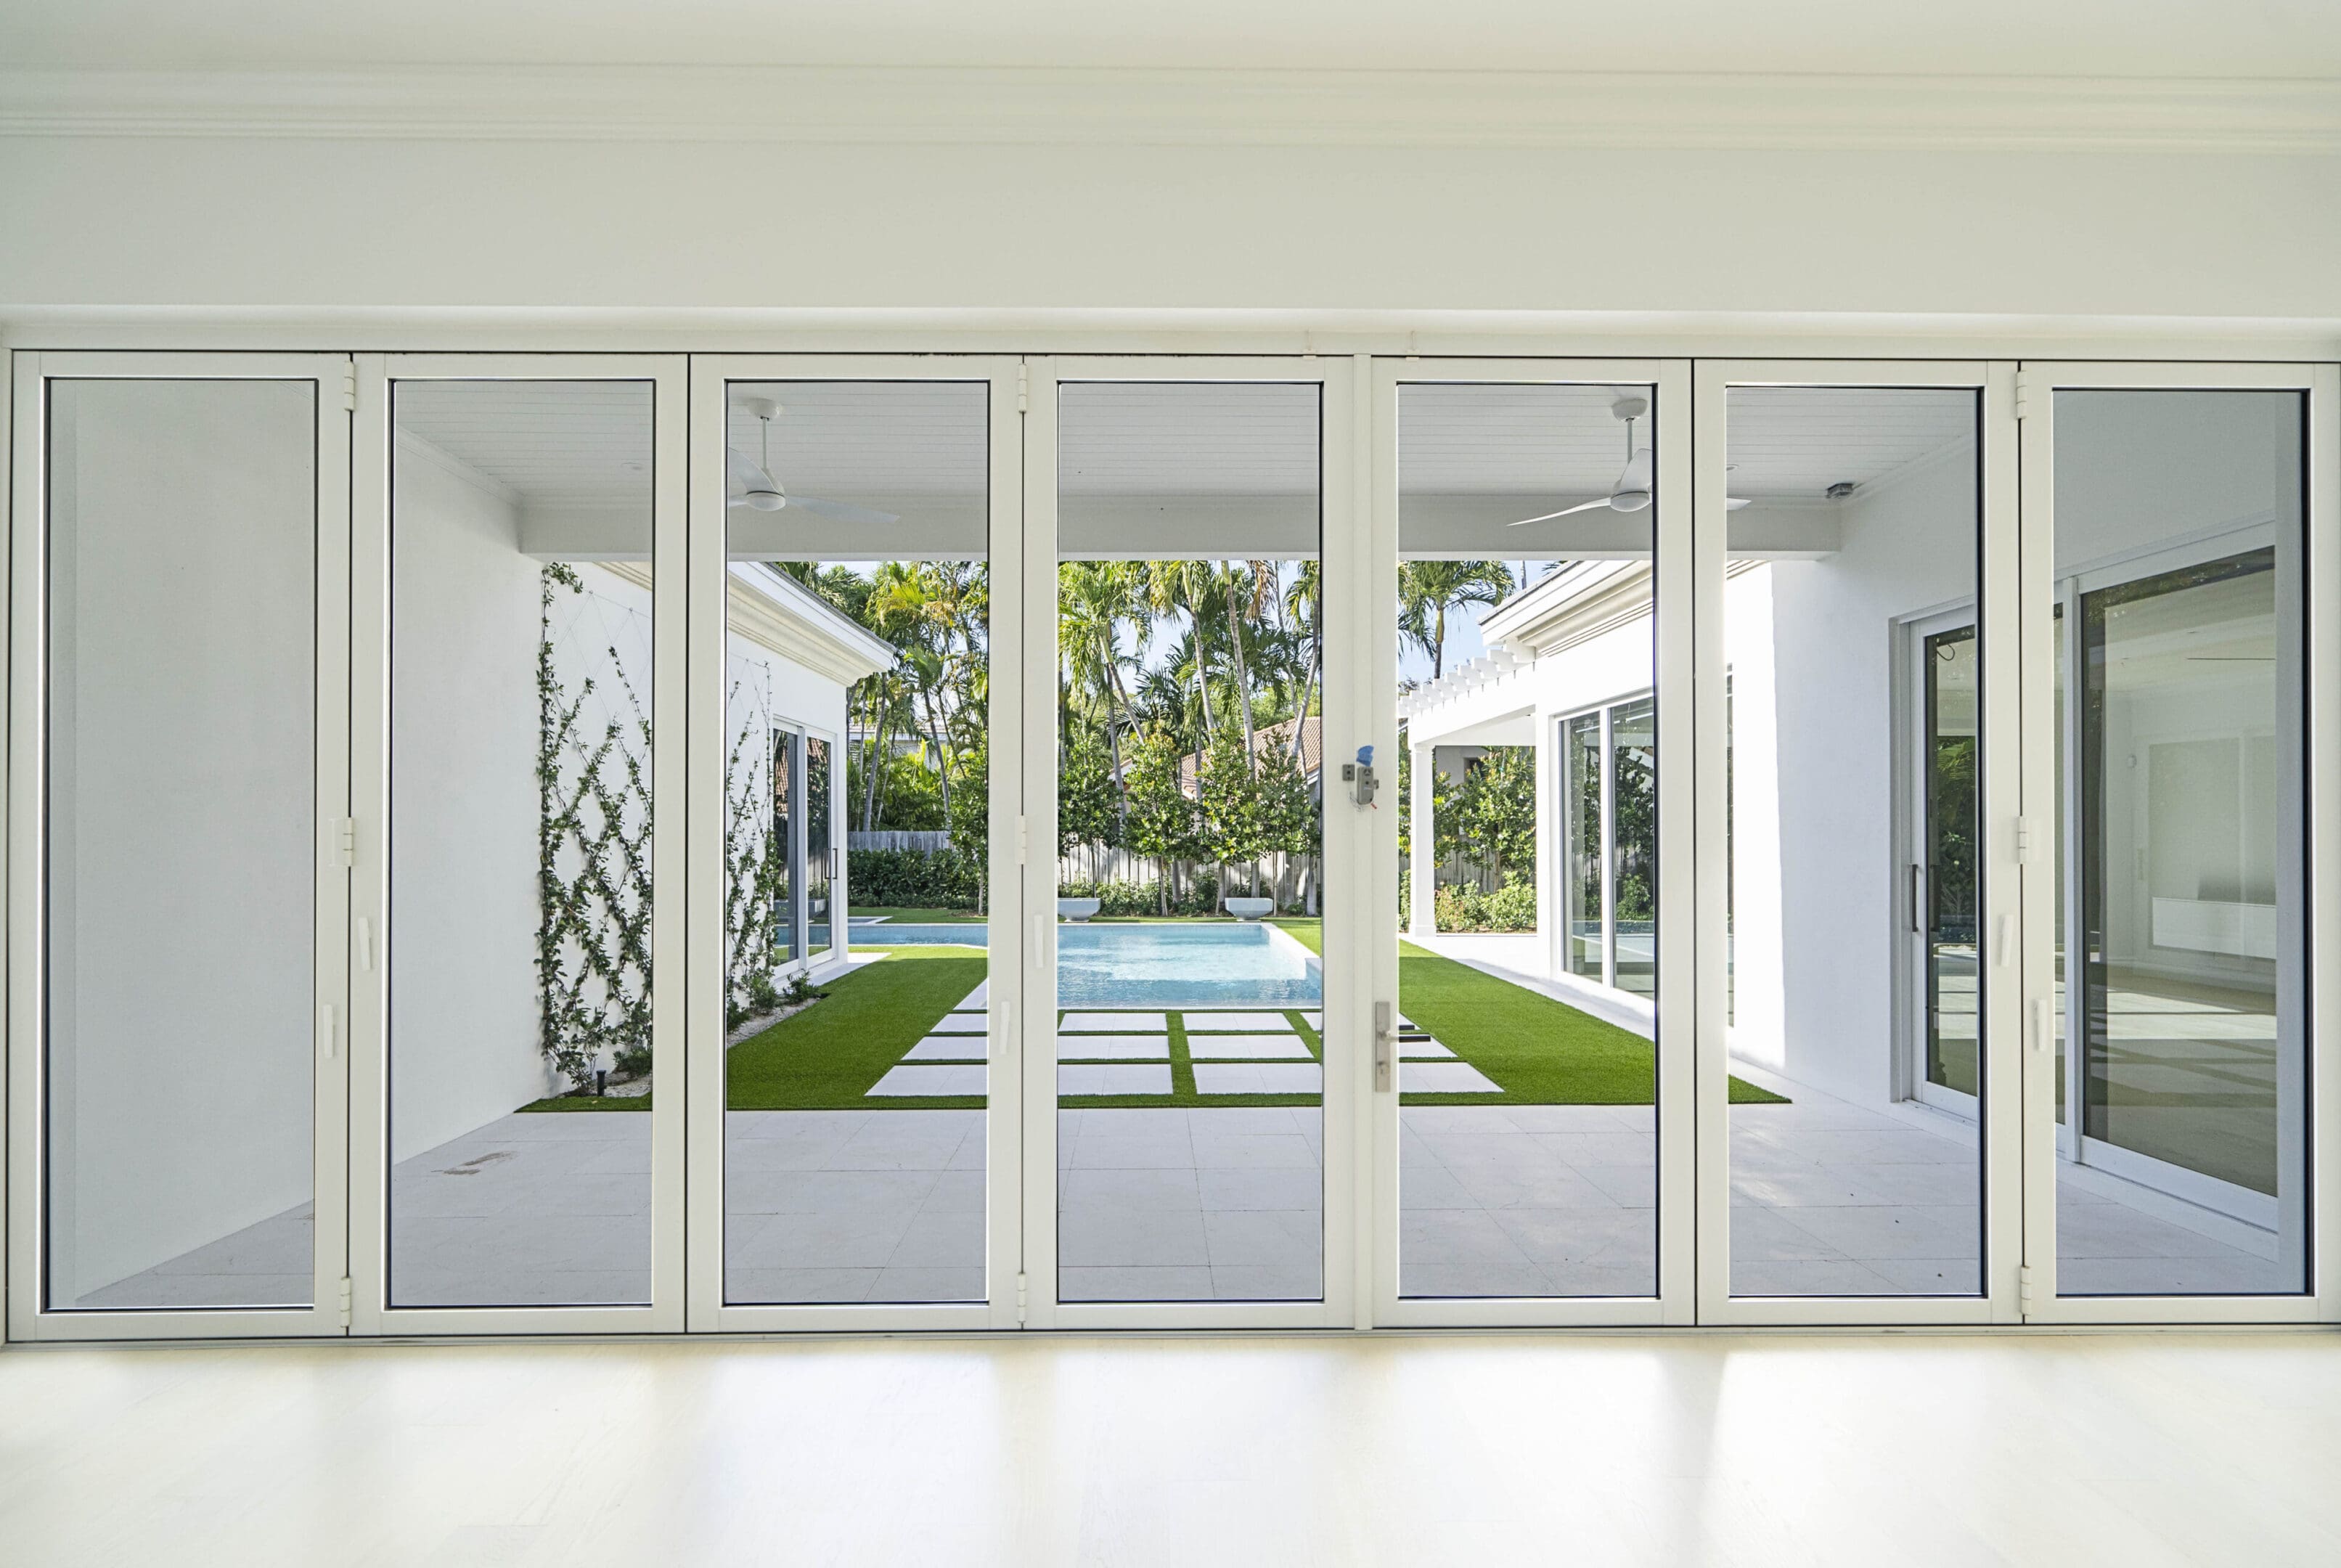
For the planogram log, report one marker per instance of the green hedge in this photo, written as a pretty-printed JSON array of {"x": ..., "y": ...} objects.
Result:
[
  {"x": 912, "y": 879},
  {"x": 1512, "y": 908},
  {"x": 1201, "y": 896}
]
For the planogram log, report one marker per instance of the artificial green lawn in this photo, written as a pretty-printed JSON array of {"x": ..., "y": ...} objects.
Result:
[{"x": 827, "y": 1057}]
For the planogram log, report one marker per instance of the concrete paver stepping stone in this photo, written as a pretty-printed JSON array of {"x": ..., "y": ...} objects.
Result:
[
  {"x": 1112, "y": 1022},
  {"x": 1247, "y": 1048},
  {"x": 1445, "y": 1078},
  {"x": 1113, "y": 1048},
  {"x": 1114, "y": 1078},
  {"x": 948, "y": 1048},
  {"x": 963, "y": 1023},
  {"x": 932, "y": 1079},
  {"x": 1317, "y": 1020},
  {"x": 975, "y": 1001},
  {"x": 1425, "y": 1049},
  {"x": 1252, "y": 1022},
  {"x": 1256, "y": 1078}
]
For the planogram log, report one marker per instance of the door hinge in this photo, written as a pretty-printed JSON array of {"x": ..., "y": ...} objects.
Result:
[
  {"x": 346, "y": 1299},
  {"x": 1021, "y": 1297},
  {"x": 2024, "y": 845},
  {"x": 2023, "y": 393},
  {"x": 350, "y": 389},
  {"x": 329, "y": 1031},
  {"x": 2023, "y": 1289},
  {"x": 1023, "y": 389},
  {"x": 345, "y": 841},
  {"x": 1023, "y": 839}
]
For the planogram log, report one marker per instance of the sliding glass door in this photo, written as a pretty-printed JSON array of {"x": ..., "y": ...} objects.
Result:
[{"x": 2183, "y": 549}]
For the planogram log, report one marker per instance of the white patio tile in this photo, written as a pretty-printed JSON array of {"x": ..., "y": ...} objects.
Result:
[
  {"x": 975, "y": 1001},
  {"x": 1247, "y": 1048},
  {"x": 963, "y": 1023},
  {"x": 1111, "y": 1023},
  {"x": 1445, "y": 1078},
  {"x": 1256, "y": 1078},
  {"x": 1114, "y": 1048},
  {"x": 948, "y": 1048},
  {"x": 1423, "y": 1049},
  {"x": 1197, "y": 1018},
  {"x": 1114, "y": 1078},
  {"x": 931, "y": 1080}
]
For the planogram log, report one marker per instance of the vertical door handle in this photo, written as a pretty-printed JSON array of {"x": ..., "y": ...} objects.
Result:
[
  {"x": 1385, "y": 1048},
  {"x": 1918, "y": 899}
]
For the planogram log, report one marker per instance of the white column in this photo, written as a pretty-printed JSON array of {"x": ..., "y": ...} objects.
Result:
[{"x": 1422, "y": 918}]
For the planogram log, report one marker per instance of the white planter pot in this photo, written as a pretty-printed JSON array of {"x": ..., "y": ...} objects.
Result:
[
  {"x": 1076, "y": 908},
  {"x": 1251, "y": 908}
]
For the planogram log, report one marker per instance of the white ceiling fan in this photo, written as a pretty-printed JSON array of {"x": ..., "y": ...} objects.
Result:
[
  {"x": 1632, "y": 491},
  {"x": 753, "y": 484}
]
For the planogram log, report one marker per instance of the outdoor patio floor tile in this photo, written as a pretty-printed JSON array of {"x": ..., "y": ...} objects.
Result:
[
  {"x": 961, "y": 1024},
  {"x": 1930, "y": 1276},
  {"x": 918, "y": 1284},
  {"x": 1245, "y": 1048},
  {"x": 1423, "y": 1049},
  {"x": 1610, "y": 1236},
  {"x": 950, "y": 1048},
  {"x": 1583, "y": 1149},
  {"x": 1463, "y": 1281},
  {"x": 1760, "y": 1235},
  {"x": 1807, "y": 1277},
  {"x": 1114, "y": 1078},
  {"x": 1445, "y": 1078},
  {"x": 1167, "y": 1151},
  {"x": 977, "y": 1000},
  {"x": 1115, "y": 1048},
  {"x": 1120, "y": 1238},
  {"x": 1129, "y": 1189},
  {"x": 796, "y": 1287},
  {"x": 1268, "y": 1282},
  {"x": 1900, "y": 1230},
  {"x": 1259, "y": 1187},
  {"x": 1271, "y": 1023},
  {"x": 1078, "y": 1282},
  {"x": 854, "y": 1239},
  {"x": 1281, "y": 1237},
  {"x": 826, "y": 1191},
  {"x": 1253, "y": 1152},
  {"x": 1629, "y": 1186},
  {"x": 1257, "y": 1078},
  {"x": 1112, "y": 1022},
  {"x": 931, "y": 1081},
  {"x": 940, "y": 1241}
]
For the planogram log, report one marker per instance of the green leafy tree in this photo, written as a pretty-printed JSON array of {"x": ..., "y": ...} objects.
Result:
[{"x": 1164, "y": 820}]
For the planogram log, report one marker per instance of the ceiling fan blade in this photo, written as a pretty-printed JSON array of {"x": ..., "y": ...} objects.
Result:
[
  {"x": 1637, "y": 476},
  {"x": 1734, "y": 503},
  {"x": 841, "y": 511},
  {"x": 740, "y": 470},
  {"x": 1596, "y": 502}
]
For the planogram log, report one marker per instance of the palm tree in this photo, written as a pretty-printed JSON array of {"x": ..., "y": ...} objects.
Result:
[{"x": 1428, "y": 590}]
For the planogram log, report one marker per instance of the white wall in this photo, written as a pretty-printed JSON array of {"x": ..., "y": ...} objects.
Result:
[
  {"x": 272, "y": 224},
  {"x": 1909, "y": 549},
  {"x": 463, "y": 806},
  {"x": 182, "y": 816}
]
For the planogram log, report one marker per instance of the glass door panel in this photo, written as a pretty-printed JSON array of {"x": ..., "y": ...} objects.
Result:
[
  {"x": 1853, "y": 543},
  {"x": 522, "y": 900},
  {"x": 2179, "y": 556},
  {"x": 1190, "y": 709},
  {"x": 856, "y": 1075},
  {"x": 180, "y": 1008},
  {"x": 1527, "y": 615}
]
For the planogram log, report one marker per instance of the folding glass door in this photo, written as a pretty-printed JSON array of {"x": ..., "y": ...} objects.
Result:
[
  {"x": 177, "y": 792},
  {"x": 856, "y": 828},
  {"x": 1858, "y": 971},
  {"x": 1529, "y": 573},
  {"x": 1191, "y": 989},
  {"x": 2179, "y": 528},
  {"x": 518, "y": 692}
]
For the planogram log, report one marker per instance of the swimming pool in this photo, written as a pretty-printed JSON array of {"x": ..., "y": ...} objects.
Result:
[{"x": 1211, "y": 963}]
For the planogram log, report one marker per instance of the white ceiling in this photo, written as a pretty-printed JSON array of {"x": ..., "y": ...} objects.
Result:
[
  {"x": 548, "y": 443},
  {"x": 2289, "y": 38}
]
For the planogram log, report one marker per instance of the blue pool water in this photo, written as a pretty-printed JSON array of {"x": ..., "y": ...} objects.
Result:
[{"x": 1218, "y": 964}]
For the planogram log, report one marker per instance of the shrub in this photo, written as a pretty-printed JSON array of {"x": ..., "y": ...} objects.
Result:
[
  {"x": 1200, "y": 896},
  {"x": 1512, "y": 907},
  {"x": 913, "y": 879}
]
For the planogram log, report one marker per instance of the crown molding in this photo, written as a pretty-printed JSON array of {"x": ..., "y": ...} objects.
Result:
[{"x": 839, "y": 105}]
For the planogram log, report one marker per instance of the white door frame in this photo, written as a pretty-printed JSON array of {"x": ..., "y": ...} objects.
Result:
[
  {"x": 28, "y": 1317},
  {"x": 1996, "y": 857},
  {"x": 1346, "y": 1059},
  {"x": 373, "y": 674},
  {"x": 706, "y": 1309},
  {"x": 1670, "y": 380},
  {"x": 1910, "y": 823},
  {"x": 2306, "y": 1214}
]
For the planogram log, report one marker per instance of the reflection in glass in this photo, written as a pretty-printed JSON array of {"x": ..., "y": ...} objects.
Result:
[
  {"x": 178, "y": 897},
  {"x": 818, "y": 795},
  {"x": 1581, "y": 822},
  {"x": 1634, "y": 845},
  {"x": 2179, "y": 519},
  {"x": 1948, "y": 887}
]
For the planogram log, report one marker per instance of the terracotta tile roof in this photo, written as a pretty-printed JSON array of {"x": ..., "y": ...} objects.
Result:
[{"x": 1312, "y": 748}]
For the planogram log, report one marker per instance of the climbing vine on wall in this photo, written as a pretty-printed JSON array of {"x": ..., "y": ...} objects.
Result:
[
  {"x": 755, "y": 869},
  {"x": 593, "y": 867}
]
